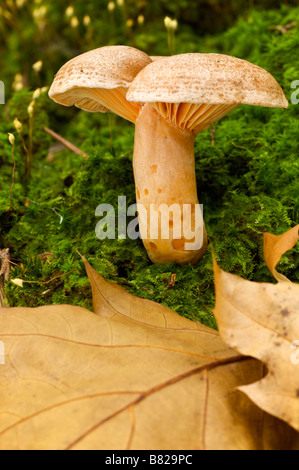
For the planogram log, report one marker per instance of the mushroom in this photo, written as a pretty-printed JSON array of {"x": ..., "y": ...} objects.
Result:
[
  {"x": 98, "y": 80},
  {"x": 170, "y": 100}
]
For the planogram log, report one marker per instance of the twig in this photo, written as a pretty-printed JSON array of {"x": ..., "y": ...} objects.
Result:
[
  {"x": 52, "y": 288},
  {"x": 3, "y": 255},
  {"x": 53, "y": 279},
  {"x": 13, "y": 177},
  {"x": 284, "y": 29},
  {"x": 66, "y": 143}
]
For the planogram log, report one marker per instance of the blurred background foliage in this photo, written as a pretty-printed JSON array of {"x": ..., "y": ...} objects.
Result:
[
  {"x": 56, "y": 31},
  {"x": 247, "y": 165}
]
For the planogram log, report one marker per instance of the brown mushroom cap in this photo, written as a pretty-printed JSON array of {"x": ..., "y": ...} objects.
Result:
[
  {"x": 195, "y": 90},
  {"x": 158, "y": 57},
  {"x": 97, "y": 81}
]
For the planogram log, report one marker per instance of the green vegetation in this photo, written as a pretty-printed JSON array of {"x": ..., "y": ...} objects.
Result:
[{"x": 247, "y": 166}]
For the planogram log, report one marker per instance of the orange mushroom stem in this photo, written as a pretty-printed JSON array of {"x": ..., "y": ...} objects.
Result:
[{"x": 170, "y": 219}]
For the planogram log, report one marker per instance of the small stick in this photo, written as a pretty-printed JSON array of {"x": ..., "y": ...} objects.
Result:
[
  {"x": 66, "y": 143},
  {"x": 13, "y": 178},
  {"x": 284, "y": 29},
  {"x": 53, "y": 279}
]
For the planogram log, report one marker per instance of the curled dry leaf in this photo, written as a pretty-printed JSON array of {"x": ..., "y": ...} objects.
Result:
[
  {"x": 262, "y": 320},
  {"x": 277, "y": 245},
  {"x": 133, "y": 376}
]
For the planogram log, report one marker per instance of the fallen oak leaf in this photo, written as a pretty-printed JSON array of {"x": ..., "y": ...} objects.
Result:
[
  {"x": 277, "y": 245},
  {"x": 137, "y": 376},
  {"x": 110, "y": 299},
  {"x": 262, "y": 320}
]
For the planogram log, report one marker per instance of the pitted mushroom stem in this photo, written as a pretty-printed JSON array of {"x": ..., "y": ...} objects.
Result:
[{"x": 164, "y": 171}]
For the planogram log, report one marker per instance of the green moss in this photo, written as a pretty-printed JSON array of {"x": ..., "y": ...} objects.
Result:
[{"x": 247, "y": 176}]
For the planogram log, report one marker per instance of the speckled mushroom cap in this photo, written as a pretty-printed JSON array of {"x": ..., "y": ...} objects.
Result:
[
  {"x": 208, "y": 86},
  {"x": 97, "y": 81},
  {"x": 158, "y": 57}
]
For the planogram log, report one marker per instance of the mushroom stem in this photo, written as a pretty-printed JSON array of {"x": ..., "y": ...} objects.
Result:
[{"x": 170, "y": 219}]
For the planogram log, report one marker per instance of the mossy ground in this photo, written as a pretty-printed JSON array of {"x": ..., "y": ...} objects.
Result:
[{"x": 247, "y": 174}]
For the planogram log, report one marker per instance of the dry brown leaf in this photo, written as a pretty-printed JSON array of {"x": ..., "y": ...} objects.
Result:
[
  {"x": 277, "y": 245},
  {"x": 135, "y": 376},
  {"x": 262, "y": 320}
]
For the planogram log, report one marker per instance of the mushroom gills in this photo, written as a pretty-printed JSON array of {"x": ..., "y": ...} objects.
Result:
[
  {"x": 193, "y": 117},
  {"x": 113, "y": 100}
]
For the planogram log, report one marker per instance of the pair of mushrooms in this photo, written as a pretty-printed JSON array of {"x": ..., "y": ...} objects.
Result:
[{"x": 170, "y": 100}]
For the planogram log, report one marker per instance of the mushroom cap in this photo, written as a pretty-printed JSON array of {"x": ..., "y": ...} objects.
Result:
[
  {"x": 105, "y": 68},
  {"x": 158, "y": 57},
  {"x": 206, "y": 79}
]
